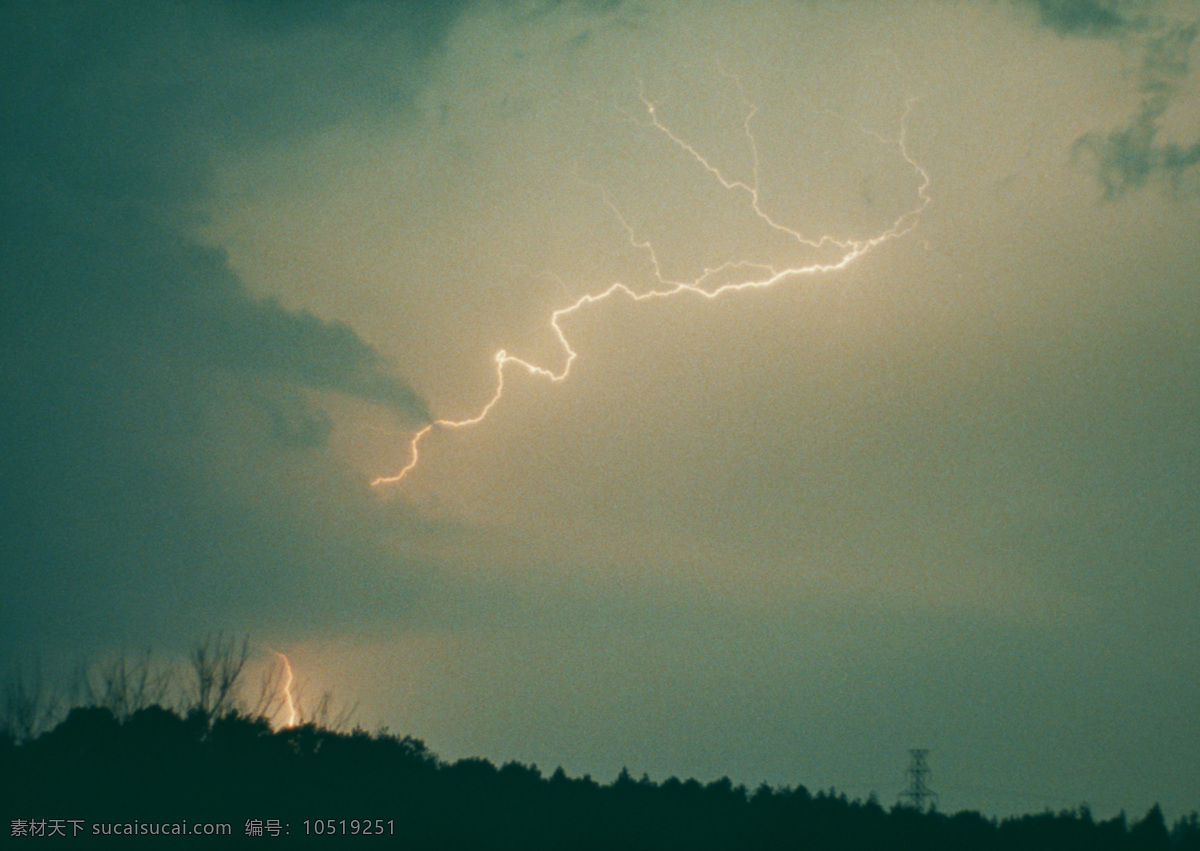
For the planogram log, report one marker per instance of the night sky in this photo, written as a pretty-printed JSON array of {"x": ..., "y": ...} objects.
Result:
[{"x": 947, "y": 496}]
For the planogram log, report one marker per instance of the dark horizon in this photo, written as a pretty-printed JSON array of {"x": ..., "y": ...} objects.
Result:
[
  {"x": 223, "y": 677},
  {"x": 126, "y": 766}
]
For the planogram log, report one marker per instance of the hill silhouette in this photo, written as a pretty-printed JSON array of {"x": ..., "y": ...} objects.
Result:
[
  {"x": 158, "y": 769},
  {"x": 128, "y": 768}
]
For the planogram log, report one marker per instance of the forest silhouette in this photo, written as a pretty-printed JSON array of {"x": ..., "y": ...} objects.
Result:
[{"x": 122, "y": 763}]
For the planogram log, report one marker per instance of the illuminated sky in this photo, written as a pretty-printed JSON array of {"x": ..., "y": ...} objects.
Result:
[{"x": 947, "y": 496}]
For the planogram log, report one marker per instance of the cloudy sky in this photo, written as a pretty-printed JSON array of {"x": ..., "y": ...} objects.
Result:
[{"x": 946, "y": 495}]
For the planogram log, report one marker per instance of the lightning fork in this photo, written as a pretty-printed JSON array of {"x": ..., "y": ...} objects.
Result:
[{"x": 852, "y": 249}]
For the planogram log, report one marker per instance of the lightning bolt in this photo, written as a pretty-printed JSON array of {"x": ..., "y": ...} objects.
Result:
[
  {"x": 289, "y": 699},
  {"x": 757, "y": 275}
]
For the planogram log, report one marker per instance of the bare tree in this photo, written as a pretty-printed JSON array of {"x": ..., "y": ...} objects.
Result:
[
  {"x": 29, "y": 706},
  {"x": 272, "y": 696},
  {"x": 124, "y": 686},
  {"x": 209, "y": 685},
  {"x": 216, "y": 665},
  {"x": 327, "y": 714}
]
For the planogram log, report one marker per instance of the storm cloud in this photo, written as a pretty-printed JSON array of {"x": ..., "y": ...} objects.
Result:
[{"x": 135, "y": 360}]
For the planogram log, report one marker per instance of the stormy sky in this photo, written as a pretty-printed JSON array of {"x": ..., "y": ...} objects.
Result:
[{"x": 947, "y": 496}]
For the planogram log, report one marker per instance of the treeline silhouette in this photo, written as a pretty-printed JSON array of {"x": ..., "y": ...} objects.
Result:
[{"x": 150, "y": 765}]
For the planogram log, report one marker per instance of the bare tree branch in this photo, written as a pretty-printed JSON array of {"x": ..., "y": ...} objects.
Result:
[
  {"x": 270, "y": 699},
  {"x": 216, "y": 666},
  {"x": 123, "y": 686},
  {"x": 327, "y": 714},
  {"x": 29, "y": 706}
]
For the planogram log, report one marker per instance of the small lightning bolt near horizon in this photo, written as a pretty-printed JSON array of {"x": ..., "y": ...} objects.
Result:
[
  {"x": 757, "y": 275},
  {"x": 289, "y": 699}
]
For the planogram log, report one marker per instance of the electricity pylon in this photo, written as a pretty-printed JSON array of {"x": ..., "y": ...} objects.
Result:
[{"x": 918, "y": 791}]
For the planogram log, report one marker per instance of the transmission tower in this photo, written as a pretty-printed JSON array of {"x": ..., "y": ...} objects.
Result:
[{"x": 918, "y": 791}]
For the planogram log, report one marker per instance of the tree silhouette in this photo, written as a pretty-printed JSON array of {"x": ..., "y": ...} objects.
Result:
[
  {"x": 209, "y": 760},
  {"x": 216, "y": 665}
]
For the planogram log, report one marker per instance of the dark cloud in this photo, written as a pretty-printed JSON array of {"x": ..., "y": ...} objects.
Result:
[
  {"x": 97, "y": 289},
  {"x": 1081, "y": 17},
  {"x": 1167, "y": 57},
  {"x": 1132, "y": 156},
  {"x": 131, "y": 100},
  {"x": 153, "y": 412},
  {"x": 295, "y": 424},
  {"x": 1129, "y": 158},
  {"x": 420, "y": 22},
  {"x": 297, "y": 346}
]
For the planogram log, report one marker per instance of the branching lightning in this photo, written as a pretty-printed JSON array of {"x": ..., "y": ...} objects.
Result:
[{"x": 758, "y": 275}]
